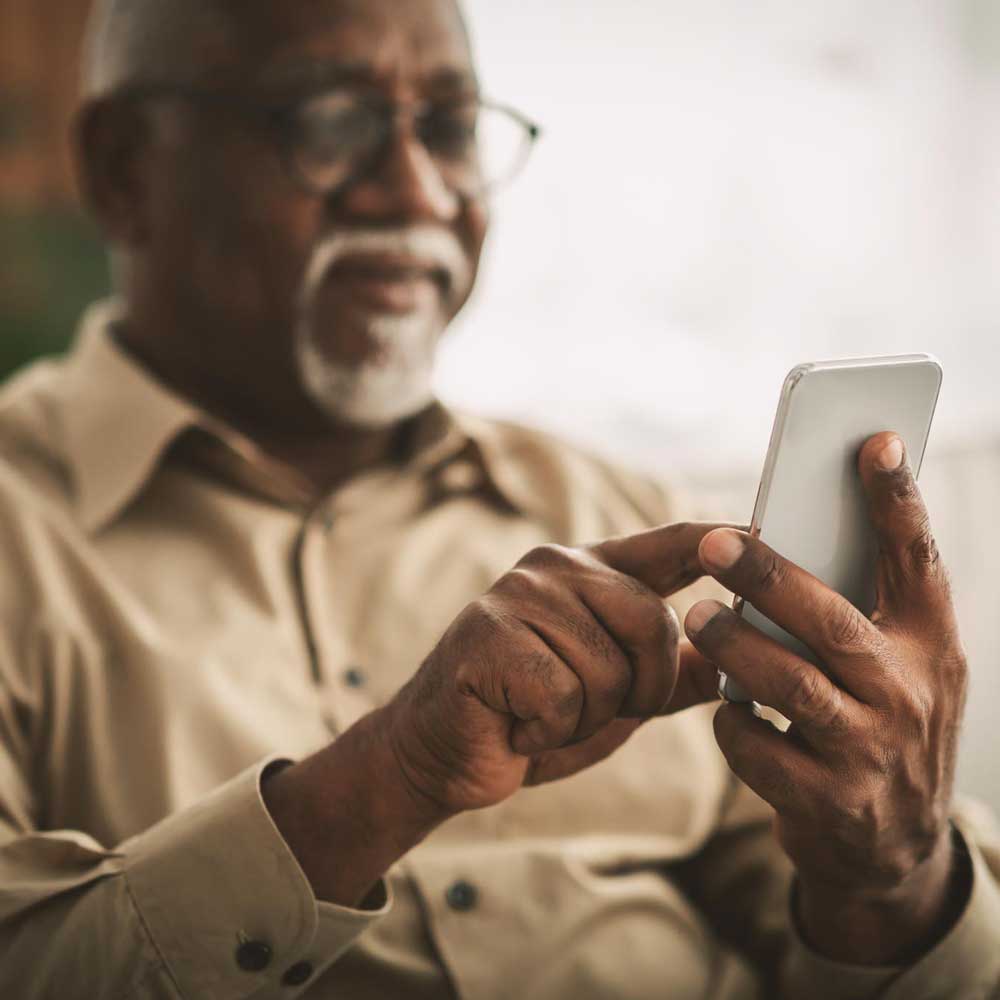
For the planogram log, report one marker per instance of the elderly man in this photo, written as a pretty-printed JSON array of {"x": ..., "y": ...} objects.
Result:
[{"x": 272, "y": 693}]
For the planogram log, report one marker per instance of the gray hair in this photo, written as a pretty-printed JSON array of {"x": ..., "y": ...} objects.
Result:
[{"x": 137, "y": 41}]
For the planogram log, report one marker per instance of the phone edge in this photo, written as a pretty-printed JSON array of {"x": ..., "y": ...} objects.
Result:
[{"x": 792, "y": 379}]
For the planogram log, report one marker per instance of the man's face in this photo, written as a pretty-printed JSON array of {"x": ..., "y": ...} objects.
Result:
[{"x": 286, "y": 295}]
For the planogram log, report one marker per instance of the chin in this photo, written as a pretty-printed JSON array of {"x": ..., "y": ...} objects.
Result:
[
  {"x": 366, "y": 395},
  {"x": 392, "y": 382}
]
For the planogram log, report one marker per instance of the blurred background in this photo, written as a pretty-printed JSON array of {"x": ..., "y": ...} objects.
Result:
[{"x": 723, "y": 190}]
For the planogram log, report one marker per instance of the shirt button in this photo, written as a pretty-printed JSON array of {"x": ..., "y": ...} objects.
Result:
[
  {"x": 460, "y": 477},
  {"x": 462, "y": 896},
  {"x": 297, "y": 974},
  {"x": 354, "y": 677},
  {"x": 253, "y": 956}
]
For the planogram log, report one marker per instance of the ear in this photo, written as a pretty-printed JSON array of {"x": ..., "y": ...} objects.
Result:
[{"x": 111, "y": 145}]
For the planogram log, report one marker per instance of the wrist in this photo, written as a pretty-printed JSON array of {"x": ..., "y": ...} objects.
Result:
[
  {"x": 348, "y": 812},
  {"x": 894, "y": 926}
]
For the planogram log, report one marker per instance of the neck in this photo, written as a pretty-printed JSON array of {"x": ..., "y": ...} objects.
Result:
[
  {"x": 328, "y": 459},
  {"x": 282, "y": 421}
]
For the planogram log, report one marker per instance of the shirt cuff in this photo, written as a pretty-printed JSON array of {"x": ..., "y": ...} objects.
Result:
[
  {"x": 965, "y": 963},
  {"x": 227, "y": 905}
]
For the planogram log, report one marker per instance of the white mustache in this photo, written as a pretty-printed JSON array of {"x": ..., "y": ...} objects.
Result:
[{"x": 435, "y": 245}]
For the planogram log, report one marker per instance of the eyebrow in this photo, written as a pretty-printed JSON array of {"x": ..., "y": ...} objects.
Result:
[{"x": 304, "y": 75}]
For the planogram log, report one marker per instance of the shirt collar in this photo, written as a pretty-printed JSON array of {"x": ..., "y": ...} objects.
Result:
[
  {"x": 119, "y": 422},
  {"x": 509, "y": 472},
  {"x": 117, "y": 419}
]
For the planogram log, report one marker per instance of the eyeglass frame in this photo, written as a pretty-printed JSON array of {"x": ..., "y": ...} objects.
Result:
[{"x": 277, "y": 117}]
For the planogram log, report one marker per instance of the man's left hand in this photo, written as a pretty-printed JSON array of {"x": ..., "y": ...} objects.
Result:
[{"x": 861, "y": 783}]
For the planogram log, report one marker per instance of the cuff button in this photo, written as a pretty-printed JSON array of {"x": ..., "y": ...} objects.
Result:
[
  {"x": 298, "y": 974},
  {"x": 462, "y": 896},
  {"x": 354, "y": 677},
  {"x": 253, "y": 956}
]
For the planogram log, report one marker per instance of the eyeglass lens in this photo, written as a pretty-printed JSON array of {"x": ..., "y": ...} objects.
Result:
[{"x": 475, "y": 147}]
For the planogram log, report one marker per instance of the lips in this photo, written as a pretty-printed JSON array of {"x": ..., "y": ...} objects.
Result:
[{"x": 390, "y": 283}]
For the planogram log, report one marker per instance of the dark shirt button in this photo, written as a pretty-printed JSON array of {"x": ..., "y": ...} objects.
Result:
[
  {"x": 297, "y": 974},
  {"x": 462, "y": 896},
  {"x": 354, "y": 677},
  {"x": 253, "y": 956}
]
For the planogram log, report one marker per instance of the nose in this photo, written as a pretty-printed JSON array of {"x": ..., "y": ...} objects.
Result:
[{"x": 406, "y": 187}]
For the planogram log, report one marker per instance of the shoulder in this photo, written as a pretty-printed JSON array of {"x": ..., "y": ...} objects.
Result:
[
  {"x": 37, "y": 508},
  {"x": 32, "y": 452}
]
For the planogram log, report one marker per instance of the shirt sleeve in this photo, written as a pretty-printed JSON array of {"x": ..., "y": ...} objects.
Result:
[
  {"x": 965, "y": 963},
  {"x": 742, "y": 882},
  {"x": 210, "y": 902}
]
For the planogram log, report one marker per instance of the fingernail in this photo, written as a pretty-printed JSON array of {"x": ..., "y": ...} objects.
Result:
[
  {"x": 721, "y": 549},
  {"x": 890, "y": 457},
  {"x": 700, "y": 615}
]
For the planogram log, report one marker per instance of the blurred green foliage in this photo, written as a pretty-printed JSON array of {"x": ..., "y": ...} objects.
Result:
[{"x": 52, "y": 265}]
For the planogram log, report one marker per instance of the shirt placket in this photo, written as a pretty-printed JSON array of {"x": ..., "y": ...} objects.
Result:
[{"x": 339, "y": 678}]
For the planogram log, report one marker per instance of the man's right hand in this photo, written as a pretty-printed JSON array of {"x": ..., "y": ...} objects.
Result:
[
  {"x": 548, "y": 673},
  {"x": 551, "y": 670}
]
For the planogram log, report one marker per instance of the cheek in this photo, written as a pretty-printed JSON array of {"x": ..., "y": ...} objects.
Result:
[
  {"x": 471, "y": 230},
  {"x": 240, "y": 232},
  {"x": 475, "y": 222}
]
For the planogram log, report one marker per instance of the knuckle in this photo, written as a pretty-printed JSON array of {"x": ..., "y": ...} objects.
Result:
[
  {"x": 659, "y": 623},
  {"x": 552, "y": 693},
  {"x": 807, "y": 690},
  {"x": 846, "y": 627},
  {"x": 944, "y": 583},
  {"x": 517, "y": 582},
  {"x": 955, "y": 667},
  {"x": 488, "y": 614},
  {"x": 593, "y": 639},
  {"x": 770, "y": 572},
  {"x": 671, "y": 623},
  {"x": 565, "y": 695},
  {"x": 624, "y": 585},
  {"x": 483, "y": 618},
  {"x": 923, "y": 552},
  {"x": 548, "y": 557}
]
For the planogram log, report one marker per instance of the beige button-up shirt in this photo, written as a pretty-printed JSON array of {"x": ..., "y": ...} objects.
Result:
[{"x": 176, "y": 612}]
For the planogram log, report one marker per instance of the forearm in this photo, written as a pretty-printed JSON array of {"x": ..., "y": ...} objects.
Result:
[
  {"x": 890, "y": 928},
  {"x": 347, "y": 813}
]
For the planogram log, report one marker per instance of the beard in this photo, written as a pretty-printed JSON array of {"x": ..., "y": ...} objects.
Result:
[
  {"x": 398, "y": 385},
  {"x": 394, "y": 379}
]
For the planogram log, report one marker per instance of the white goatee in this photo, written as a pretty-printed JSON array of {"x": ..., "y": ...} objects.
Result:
[{"x": 397, "y": 381}]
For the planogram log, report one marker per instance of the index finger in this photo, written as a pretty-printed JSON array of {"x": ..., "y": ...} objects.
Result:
[
  {"x": 665, "y": 559},
  {"x": 910, "y": 573}
]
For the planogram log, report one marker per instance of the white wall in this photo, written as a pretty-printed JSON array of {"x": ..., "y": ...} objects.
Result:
[{"x": 725, "y": 190}]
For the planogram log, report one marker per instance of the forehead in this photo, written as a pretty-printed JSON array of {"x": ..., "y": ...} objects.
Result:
[{"x": 395, "y": 43}]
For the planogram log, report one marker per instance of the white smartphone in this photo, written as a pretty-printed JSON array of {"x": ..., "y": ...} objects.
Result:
[{"x": 810, "y": 506}]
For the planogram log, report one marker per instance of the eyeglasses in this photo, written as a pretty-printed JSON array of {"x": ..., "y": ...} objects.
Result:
[{"x": 331, "y": 138}]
